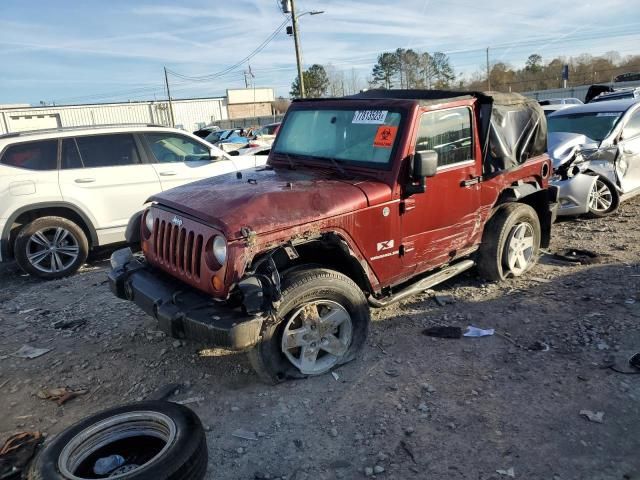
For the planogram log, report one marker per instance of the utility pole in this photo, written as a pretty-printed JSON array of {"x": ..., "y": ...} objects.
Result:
[
  {"x": 166, "y": 81},
  {"x": 488, "y": 72},
  {"x": 296, "y": 40}
]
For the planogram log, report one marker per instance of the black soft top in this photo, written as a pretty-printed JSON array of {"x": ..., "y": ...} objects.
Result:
[{"x": 513, "y": 128}]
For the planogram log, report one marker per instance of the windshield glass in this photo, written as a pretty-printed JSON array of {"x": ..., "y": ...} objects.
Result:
[
  {"x": 365, "y": 137},
  {"x": 595, "y": 125}
]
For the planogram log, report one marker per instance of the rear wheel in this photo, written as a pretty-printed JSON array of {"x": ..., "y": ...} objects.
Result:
[
  {"x": 321, "y": 323},
  {"x": 511, "y": 242},
  {"x": 51, "y": 247},
  {"x": 603, "y": 198}
]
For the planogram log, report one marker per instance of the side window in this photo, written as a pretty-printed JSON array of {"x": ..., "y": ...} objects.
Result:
[
  {"x": 108, "y": 150},
  {"x": 169, "y": 147},
  {"x": 447, "y": 132},
  {"x": 32, "y": 156},
  {"x": 632, "y": 128},
  {"x": 70, "y": 155}
]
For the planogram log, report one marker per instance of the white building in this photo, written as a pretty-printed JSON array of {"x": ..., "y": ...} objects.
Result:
[{"x": 189, "y": 114}]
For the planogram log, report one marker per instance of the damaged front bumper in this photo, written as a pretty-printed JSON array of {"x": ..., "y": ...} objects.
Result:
[
  {"x": 574, "y": 193},
  {"x": 181, "y": 311}
]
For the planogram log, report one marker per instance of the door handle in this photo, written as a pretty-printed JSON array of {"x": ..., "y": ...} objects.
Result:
[
  {"x": 168, "y": 173},
  {"x": 470, "y": 182},
  {"x": 85, "y": 180}
]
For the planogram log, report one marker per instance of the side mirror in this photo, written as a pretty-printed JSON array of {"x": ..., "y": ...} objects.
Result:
[
  {"x": 234, "y": 153},
  {"x": 425, "y": 164}
]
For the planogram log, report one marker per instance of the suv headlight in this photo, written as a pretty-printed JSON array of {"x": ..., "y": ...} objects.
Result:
[
  {"x": 220, "y": 249},
  {"x": 148, "y": 220}
]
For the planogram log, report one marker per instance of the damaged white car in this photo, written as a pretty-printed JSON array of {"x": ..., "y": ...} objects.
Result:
[{"x": 596, "y": 156}]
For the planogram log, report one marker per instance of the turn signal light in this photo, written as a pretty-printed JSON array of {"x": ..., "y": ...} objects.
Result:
[{"x": 217, "y": 284}]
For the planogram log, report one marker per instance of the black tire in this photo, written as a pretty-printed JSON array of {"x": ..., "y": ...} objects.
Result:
[
  {"x": 185, "y": 458},
  {"x": 615, "y": 199},
  {"x": 23, "y": 247},
  {"x": 300, "y": 288},
  {"x": 492, "y": 256}
]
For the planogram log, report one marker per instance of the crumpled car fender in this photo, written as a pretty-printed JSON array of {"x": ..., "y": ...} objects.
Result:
[{"x": 574, "y": 193}]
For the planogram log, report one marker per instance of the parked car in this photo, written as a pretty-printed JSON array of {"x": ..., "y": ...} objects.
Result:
[
  {"x": 66, "y": 191},
  {"x": 260, "y": 142},
  {"x": 618, "y": 94},
  {"x": 561, "y": 101},
  {"x": 267, "y": 133},
  {"x": 596, "y": 154},
  {"x": 549, "y": 109},
  {"x": 219, "y": 135},
  {"x": 394, "y": 192},
  {"x": 252, "y": 148},
  {"x": 205, "y": 131},
  {"x": 232, "y": 142}
]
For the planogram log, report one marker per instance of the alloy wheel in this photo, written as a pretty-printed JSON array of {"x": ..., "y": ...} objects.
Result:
[
  {"x": 317, "y": 336},
  {"x": 52, "y": 250},
  {"x": 600, "y": 197},
  {"x": 520, "y": 248}
]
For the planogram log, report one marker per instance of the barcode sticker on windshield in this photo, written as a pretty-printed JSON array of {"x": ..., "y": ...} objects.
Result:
[
  {"x": 607, "y": 114},
  {"x": 375, "y": 117}
]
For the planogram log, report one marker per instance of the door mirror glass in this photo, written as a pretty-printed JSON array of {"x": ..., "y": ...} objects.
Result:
[{"x": 425, "y": 163}]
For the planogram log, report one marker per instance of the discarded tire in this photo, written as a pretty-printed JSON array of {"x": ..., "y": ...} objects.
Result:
[{"x": 146, "y": 440}]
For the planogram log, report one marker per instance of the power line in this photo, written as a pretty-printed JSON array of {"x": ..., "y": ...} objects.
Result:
[{"x": 262, "y": 46}]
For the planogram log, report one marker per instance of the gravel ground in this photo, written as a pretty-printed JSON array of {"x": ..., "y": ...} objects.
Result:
[{"x": 410, "y": 406}]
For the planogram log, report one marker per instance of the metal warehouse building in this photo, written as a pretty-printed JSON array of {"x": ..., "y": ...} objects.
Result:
[{"x": 189, "y": 114}]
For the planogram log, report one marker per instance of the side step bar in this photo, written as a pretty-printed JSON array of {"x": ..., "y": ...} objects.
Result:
[{"x": 421, "y": 285}]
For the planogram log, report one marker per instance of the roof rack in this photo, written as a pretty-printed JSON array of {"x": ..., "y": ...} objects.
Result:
[{"x": 83, "y": 127}]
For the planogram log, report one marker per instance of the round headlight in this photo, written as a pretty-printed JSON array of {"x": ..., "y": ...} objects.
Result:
[
  {"x": 148, "y": 220},
  {"x": 220, "y": 249}
]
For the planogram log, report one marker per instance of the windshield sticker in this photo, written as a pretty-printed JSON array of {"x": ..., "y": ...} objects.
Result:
[
  {"x": 385, "y": 136},
  {"x": 607, "y": 114},
  {"x": 375, "y": 117}
]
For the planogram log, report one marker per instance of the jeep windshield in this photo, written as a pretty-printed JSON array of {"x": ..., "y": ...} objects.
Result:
[{"x": 347, "y": 136}]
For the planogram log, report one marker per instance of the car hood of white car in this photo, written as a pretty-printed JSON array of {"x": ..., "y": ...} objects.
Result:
[{"x": 562, "y": 146}]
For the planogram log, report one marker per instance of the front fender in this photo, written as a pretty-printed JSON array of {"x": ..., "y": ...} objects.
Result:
[{"x": 574, "y": 194}]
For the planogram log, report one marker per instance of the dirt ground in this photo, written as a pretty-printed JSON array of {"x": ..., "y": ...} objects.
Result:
[{"x": 410, "y": 406}]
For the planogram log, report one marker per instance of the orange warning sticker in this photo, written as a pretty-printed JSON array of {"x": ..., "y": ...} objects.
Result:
[{"x": 385, "y": 136}]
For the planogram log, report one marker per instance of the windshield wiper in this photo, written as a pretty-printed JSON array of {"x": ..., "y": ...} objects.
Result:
[
  {"x": 338, "y": 166},
  {"x": 292, "y": 164}
]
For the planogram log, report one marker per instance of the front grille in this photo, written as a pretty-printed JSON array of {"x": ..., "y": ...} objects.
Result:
[{"x": 177, "y": 248}]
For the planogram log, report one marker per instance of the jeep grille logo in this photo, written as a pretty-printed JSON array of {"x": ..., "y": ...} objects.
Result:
[{"x": 177, "y": 221}]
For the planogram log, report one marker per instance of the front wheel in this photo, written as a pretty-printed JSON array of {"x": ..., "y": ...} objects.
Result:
[
  {"x": 510, "y": 243},
  {"x": 603, "y": 198},
  {"x": 321, "y": 323}
]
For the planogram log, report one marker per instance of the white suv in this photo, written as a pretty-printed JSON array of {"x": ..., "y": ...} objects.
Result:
[{"x": 66, "y": 191}]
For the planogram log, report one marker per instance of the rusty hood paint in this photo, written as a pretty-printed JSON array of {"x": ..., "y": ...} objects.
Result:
[{"x": 267, "y": 200}]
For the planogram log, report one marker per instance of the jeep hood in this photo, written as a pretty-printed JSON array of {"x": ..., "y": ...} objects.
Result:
[{"x": 266, "y": 200}]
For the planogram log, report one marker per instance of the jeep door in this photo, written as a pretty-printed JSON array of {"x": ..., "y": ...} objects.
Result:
[
  {"x": 180, "y": 159},
  {"x": 628, "y": 163},
  {"x": 104, "y": 176},
  {"x": 441, "y": 223}
]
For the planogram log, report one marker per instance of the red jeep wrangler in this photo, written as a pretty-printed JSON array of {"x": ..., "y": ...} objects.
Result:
[{"x": 364, "y": 201}]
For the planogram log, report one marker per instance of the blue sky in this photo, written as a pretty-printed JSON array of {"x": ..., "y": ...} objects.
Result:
[{"x": 84, "y": 51}]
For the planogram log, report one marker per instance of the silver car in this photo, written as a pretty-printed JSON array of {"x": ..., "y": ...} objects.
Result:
[{"x": 595, "y": 150}]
